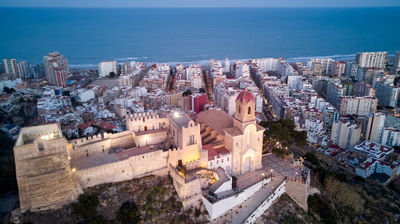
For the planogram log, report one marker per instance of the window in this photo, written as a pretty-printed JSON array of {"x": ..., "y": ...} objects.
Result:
[
  {"x": 222, "y": 160},
  {"x": 227, "y": 159},
  {"x": 239, "y": 109},
  {"x": 249, "y": 110},
  {"x": 191, "y": 140}
]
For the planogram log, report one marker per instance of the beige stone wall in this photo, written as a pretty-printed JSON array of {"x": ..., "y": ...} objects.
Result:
[
  {"x": 298, "y": 192},
  {"x": 189, "y": 192},
  {"x": 151, "y": 138},
  {"x": 45, "y": 179},
  {"x": 88, "y": 146},
  {"x": 133, "y": 167},
  {"x": 145, "y": 121}
]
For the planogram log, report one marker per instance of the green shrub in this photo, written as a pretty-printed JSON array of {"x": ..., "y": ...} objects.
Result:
[
  {"x": 128, "y": 213},
  {"x": 86, "y": 207}
]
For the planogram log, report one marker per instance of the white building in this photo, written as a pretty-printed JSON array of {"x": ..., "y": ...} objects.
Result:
[
  {"x": 10, "y": 66},
  {"x": 374, "y": 127},
  {"x": 371, "y": 59},
  {"x": 24, "y": 70},
  {"x": 314, "y": 129},
  {"x": 219, "y": 158},
  {"x": 106, "y": 67},
  {"x": 56, "y": 66},
  {"x": 390, "y": 136},
  {"x": 325, "y": 62},
  {"x": 227, "y": 65},
  {"x": 344, "y": 134},
  {"x": 241, "y": 69},
  {"x": 85, "y": 95},
  {"x": 373, "y": 149}
]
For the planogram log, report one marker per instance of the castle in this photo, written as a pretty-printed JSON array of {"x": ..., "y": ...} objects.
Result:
[{"x": 52, "y": 171}]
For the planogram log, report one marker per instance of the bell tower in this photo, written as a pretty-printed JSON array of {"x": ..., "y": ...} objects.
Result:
[{"x": 245, "y": 110}]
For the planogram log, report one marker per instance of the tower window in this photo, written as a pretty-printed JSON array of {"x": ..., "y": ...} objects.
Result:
[
  {"x": 239, "y": 109},
  {"x": 249, "y": 110}
]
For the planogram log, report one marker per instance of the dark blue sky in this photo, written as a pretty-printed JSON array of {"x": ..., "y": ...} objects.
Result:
[{"x": 199, "y": 3}]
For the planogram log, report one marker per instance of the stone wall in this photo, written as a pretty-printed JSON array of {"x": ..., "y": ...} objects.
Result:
[
  {"x": 145, "y": 121},
  {"x": 133, "y": 167},
  {"x": 44, "y": 176},
  {"x": 298, "y": 192},
  {"x": 151, "y": 138},
  {"x": 101, "y": 143},
  {"x": 188, "y": 191}
]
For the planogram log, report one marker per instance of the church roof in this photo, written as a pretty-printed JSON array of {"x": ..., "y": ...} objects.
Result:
[
  {"x": 218, "y": 120},
  {"x": 233, "y": 131},
  {"x": 245, "y": 96}
]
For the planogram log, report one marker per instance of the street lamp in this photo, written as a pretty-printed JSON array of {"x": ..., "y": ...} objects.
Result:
[
  {"x": 295, "y": 178},
  {"x": 271, "y": 173}
]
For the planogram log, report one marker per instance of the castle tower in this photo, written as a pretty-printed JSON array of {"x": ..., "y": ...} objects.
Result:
[{"x": 245, "y": 110}]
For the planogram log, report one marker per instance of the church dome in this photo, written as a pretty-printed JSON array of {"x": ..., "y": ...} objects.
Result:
[{"x": 245, "y": 96}]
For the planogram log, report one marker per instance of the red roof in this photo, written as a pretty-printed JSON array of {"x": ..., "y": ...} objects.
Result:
[
  {"x": 245, "y": 96},
  {"x": 83, "y": 126},
  {"x": 106, "y": 126},
  {"x": 212, "y": 152}
]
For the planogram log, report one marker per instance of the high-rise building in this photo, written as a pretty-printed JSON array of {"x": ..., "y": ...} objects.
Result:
[
  {"x": 227, "y": 65},
  {"x": 396, "y": 65},
  {"x": 344, "y": 134},
  {"x": 351, "y": 69},
  {"x": 324, "y": 62},
  {"x": 387, "y": 93},
  {"x": 333, "y": 94},
  {"x": 56, "y": 66},
  {"x": 10, "y": 66},
  {"x": 374, "y": 127},
  {"x": 361, "y": 106},
  {"x": 337, "y": 68},
  {"x": 371, "y": 59},
  {"x": 24, "y": 70},
  {"x": 106, "y": 67}
]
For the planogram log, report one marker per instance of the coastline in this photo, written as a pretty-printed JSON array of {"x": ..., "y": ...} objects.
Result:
[{"x": 121, "y": 60}]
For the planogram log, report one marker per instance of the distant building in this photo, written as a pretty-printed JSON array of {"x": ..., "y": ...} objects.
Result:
[
  {"x": 10, "y": 66},
  {"x": 373, "y": 149},
  {"x": 333, "y": 94},
  {"x": 56, "y": 66},
  {"x": 320, "y": 65},
  {"x": 24, "y": 70},
  {"x": 337, "y": 68},
  {"x": 106, "y": 67},
  {"x": 387, "y": 93},
  {"x": 360, "y": 106},
  {"x": 227, "y": 65},
  {"x": 344, "y": 134},
  {"x": 396, "y": 65},
  {"x": 371, "y": 59},
  {"x": 351, "y": 69},
  {"x": 374, "y": 127}
]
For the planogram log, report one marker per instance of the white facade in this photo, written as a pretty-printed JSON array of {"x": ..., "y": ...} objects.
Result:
[
  {"x": 10, "y": 66},
  {"x": 227, "y": 65},
  {"x": 371, "y": 59},
  {"x": 314, "y": 129},
  {"x": 106, "y": 67},
  {"x": 224, "y": 161},
  {"x": 85, "y": 95},
  {"x": 374, "y": 127}
]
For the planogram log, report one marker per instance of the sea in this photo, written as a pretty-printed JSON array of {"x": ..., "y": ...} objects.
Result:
[{"x": 87, "y": 36}]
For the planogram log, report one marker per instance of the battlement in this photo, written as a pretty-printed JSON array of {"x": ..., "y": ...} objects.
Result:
[
  {"x": 98, "y": 137},
  {"x": 46, "y": 132},
  {"x": 191, "y": 124},
  {"x": 143, "y": 115}
]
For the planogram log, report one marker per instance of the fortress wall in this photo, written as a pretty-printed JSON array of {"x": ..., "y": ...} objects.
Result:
[
  {"x": 133, "y": 167},
  {"x": 83, "y": 147},
  {"x": 142, "y": 121},
  {"x": 151, "y": 138},
  {"x": 44, "y": 176},
  {"x": 298, "y": 192},
  {"x": 188, "y": 156},
  {"x": 189, "y": 192}
]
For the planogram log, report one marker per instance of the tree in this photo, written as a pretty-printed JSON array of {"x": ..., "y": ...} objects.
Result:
[
  {"x": 312, "y": 158},
  {"x": 128, "y": 213},
  {"x": 8, "y": 90},
  {"x": 187, "y": 93},
  {"x": 86, "y": 207},
  {"x": 112, "y": 74}
]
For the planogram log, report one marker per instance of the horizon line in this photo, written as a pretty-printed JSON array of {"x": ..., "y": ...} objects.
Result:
[{"x": 202, "y": 7}]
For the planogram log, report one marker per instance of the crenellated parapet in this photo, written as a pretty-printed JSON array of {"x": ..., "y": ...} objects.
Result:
[{"x": 145, "y": 121}]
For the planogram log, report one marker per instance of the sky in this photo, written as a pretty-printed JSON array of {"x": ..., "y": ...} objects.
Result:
[{"x": 197, "y": 3}]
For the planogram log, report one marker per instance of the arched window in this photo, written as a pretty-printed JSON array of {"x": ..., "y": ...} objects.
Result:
[
  {"x": 249, "y": 110},
  {"x": 239, "y": 109}
]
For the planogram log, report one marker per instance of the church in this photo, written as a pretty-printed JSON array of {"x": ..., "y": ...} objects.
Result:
[{"x": 52, "y": 171}]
